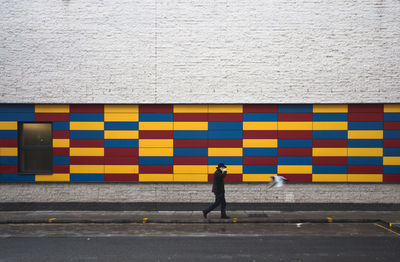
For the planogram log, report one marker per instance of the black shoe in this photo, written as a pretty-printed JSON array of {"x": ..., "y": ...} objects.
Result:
[
  {"x": 225, "y": 217},
  {"x": 204, "y": 214}
]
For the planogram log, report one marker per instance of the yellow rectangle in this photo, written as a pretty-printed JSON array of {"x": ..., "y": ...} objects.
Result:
[
  {"x": 60, "y": 142},
  {"x": 190, "y": 177},
  {"x": 391, "y": 160},
  {"x": 190, "y": 108},
  {"x": 365, "y": 152},
  {"x": 190, "y": 169},
  {"x": 225, "y": 152},
  {"x": 190, "y": 125},
  {"x": 83, "y": 151},
  {"x": 391, "y": 108},
  {"x": 121, "y": 169},
  {"x": 265, "y": 143},
  {"x": 8, "y": 151},
  {"x": 8, "y": 125},
  {"x": 365, "y": 134},
  {"x": 121, "y": 134},
  {"x": 364, "y": 177},
  {"x": 329, "y": 151},
  {"x": 156, "y": 126},
  {"x": 156, "y": 143},
  {"x": 53, "y": 177},
  {"x": 295, "y": 125},
  {"x": 225, "y": 108},
  {"x": 329, "y": 125},
  {"x": 156, "y": 177},
  {"x": 121, "y": 108},
  {"x": 257, "y": 177},
  {"x": 329, "y": 177},
  {"x": 231, "y": 169},
  {"x": 86, "y": 169},
  {"x": 330, "y": 108},
  {"x": 153, "y": 151},
  {"x": 52, "y": 108},
  {"x": 294, "y": 169},
  {"x": 121, "y": 117},
  {"x": 86, "y": 125},
  {"x": 260, "y": 126}
]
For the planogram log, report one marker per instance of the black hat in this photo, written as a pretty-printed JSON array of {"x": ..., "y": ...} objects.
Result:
[{"x": 221, "y": 165}]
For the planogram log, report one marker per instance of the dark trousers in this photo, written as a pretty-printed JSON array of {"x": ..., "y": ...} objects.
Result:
[{"x": 219, "y": 200}]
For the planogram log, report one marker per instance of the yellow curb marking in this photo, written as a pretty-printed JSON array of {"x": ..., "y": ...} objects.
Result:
[
  {"x": 144, "y": 221},
  {"x": 235, "y": 220},
  {"x": 52, "y": 219},
  {"x": 387, "y": 229},
  {"x": 390, "y": 224},
  {"x": 330, "y": 220}
]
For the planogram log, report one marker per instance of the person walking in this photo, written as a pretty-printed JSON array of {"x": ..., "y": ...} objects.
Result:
[{"x": 219, "y": 191}]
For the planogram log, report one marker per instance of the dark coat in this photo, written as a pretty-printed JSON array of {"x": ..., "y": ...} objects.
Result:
[{"x": 218, "y": 184}]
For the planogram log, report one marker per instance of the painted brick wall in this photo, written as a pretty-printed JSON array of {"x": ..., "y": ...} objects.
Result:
[{"x": 241, "y": 51}]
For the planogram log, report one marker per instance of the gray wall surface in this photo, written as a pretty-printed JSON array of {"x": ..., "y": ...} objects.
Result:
[{"x": 187, "y": 51}]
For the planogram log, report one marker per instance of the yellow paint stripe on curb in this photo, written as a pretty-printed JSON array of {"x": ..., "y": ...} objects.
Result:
[
  {"x": 387, "y": 229},
  {"x": 52, "y": 219}
]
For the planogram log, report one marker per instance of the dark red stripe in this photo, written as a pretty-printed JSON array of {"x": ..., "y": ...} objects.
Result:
[
  {"x": 190, "y": 160},
  {"x": 60, "y": 134},
  {"x": 110, "y": 151},
  {"x": 365, "y": 117},
  {"x": 364, "y": 169},
  {"x": 190, "y": 143},
  {"x": 256, "y": 134},
  {"x": 366, "y": 108},
  {"x": 298, "y": 177},
  {"x": 86, "y": 108},
  {"x": 162, "y": 134},
  {"x": 294, "y": 151},
  {"x": 86, "y": 143},
  {"x": 190, "y": 117},
  {"x": 61, "y": 151},
  {"x": 8, "y": 169},
  {"x": 121, "y": 177},
  {"x": 156, "y": 108},
  {"x": 225, "y": 143},
  {"x": 260, "y": 108},
  {"x": 134, "y": 160},
  {"x": 51, "y": 116},
  {"x": 225, "y": 117},
  {"x": 86, "y": 160},
  {"x": 393, "y": 125},
  {"x": 295, "y": 116},
  {"x": 260, "y": 160},
  {"x": 12, "y": 142},
  {"x": 61, "y": 169},
  {"x": 329, "y": 161},
  {"x": 302, "y": 134},
  {"x": 228, "y": 178},
  {"x": 329, "y": 142},
  {"x": 391, "y": 143},
  {"x": 391, "y": 178},
  {"x": 156, "y": 169}
]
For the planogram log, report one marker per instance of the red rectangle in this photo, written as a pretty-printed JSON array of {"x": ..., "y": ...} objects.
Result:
[
  {"x": 225, "y": 117},
  {"x": 60, "y": 134},
  {"x": 111, "y": 151},
  {"x": 86, "y": 160},
  {"x": 86, "y": 108},
  {"x": 364, "y": 169},
  {"x": 190, "y": 117},
  {"x": 156, "y": 109},
  {"x": 225, "y": 143},
  {"x": 61, "y": 169},
  {"x": 295, "y": 116},
  {"x": 8, "y": 142},
  {"x": 298, "y": 177},
  {"x": 162, "y": 134},
  {"x": 260, "y": 160},
  {"x": 365, "y": 117},
  {"x": 329, "y": 161},
  {"x": 260, "y": 108},
  {"x": 190, "y": 160},
  {"x": 121, "y": 177},
  {"x": 294, "y": 151},
  {"x": 52, "y": 117},
  {"x": 60, "y": 151},
  {"x": 258, "y": 134},
  {"x": 391, "y": 178},
  {"x": 190, "y": 143},
  {"x": 86, "y": 142},
  {"x": 330, "y": 143},
  {"x": 228, "y": 178},
  {"x": 133, "y": 160},
  {"x": 156, "y": 169},
  {"x": 391, "y": 143},
  {"x": 301, "y": 134},
  {"x": 8, "y": 169},
  {"x": 365, "y": 108},
  {"x": 392, "y": 125}
]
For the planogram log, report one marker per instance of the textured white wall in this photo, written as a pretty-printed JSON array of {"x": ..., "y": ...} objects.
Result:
[{"x": 195, "y": 51}]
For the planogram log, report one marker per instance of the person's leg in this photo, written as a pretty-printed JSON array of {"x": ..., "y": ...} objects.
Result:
[
  {"x": 223, "y": 206},
  {"x": 213, "y": 205}
]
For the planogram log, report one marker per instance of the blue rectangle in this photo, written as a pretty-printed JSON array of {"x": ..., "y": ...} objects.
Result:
[
  {"x": 121, "y": 143},
  {"x": 8, "y": 160},
  {"x": 260, "y": 151},
  {"x": 391, "y": 134},
  {"x": 8, "y": 134},
  {"x": 295, "y": 108},
  {"x": 327, "y": 134},
  {"x": 17, "y": 116},
  {"x": 391, "y": 116},
  {"x": 365, "y": 125},
  {"x": 227, "y": 160},
  {"x": 370, "y": 143},
  {"x": 60, "y": 160},
  {"x": 395, "y": 170},
  {"x": 295, "y": 143},
  {"x": 329, "y": 169},
  {"x": 86, "y": 117},
  {"x": 190, "y": 134},
  {"x": 225, "y": 125},
  {"x": 121, "y": 125},
  {"x": 294, "y": 160},
  {"x": 225, "y": 134},
  {"x": 329, "y": 116},
  {"x": 267, "y": 169},
  {"x": 156, "y": 117},
  {"x": 364, "y": 161},
  {"x": 60, "y": 125},
  {"x": 391, "y": 151},
  {"x": 156, "y": 160},
  {"x": 262, "y": 117},
  {"x": 86, "y": 177},
  {"x": 17, "y": 108},
  {"x": 190, "y": 151},
  {"x": 16, "y": 178},
  {"x": 86, "y": 134}
]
